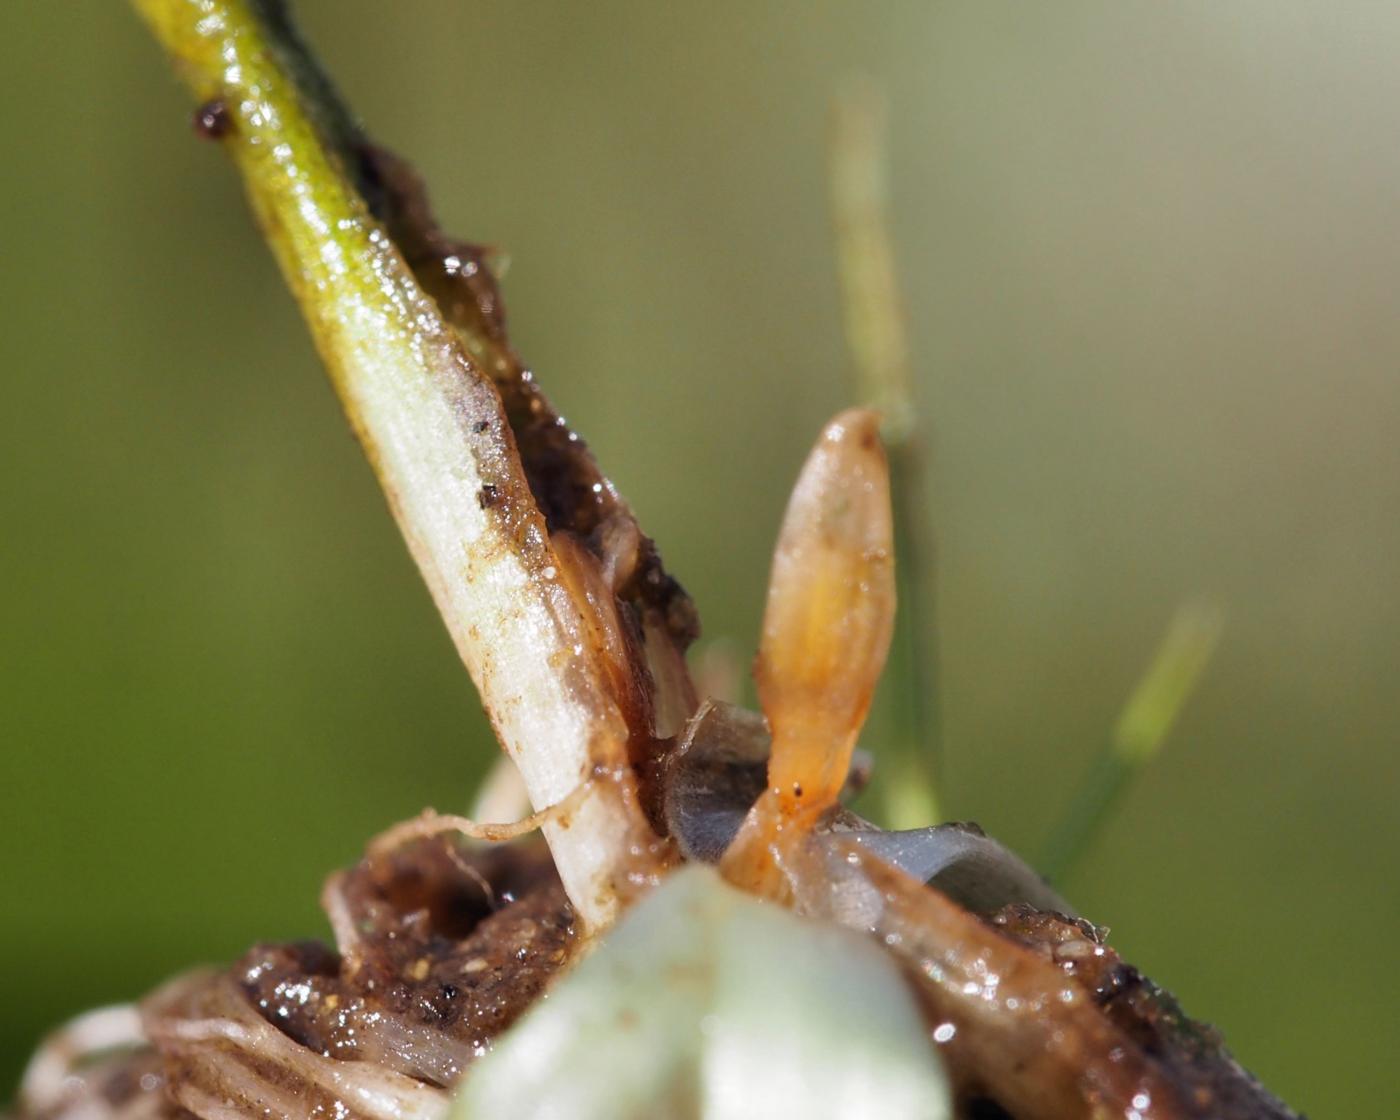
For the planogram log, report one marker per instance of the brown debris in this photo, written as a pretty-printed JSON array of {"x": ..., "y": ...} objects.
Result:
[
  {"x": 442, "y": 945},
  {"x": 1209, "y": 1080},
  {"x": 441, "y": 948},
  {"x": 568, "y": 486}
]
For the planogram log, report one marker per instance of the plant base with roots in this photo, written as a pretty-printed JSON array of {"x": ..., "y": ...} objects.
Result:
[
  {"x": 442, "y": 944},
  {"x": 575, "y": 636}
]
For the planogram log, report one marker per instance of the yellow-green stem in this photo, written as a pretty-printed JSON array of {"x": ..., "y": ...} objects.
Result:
[
  {"x": 908, "y": 704},
  {"x": 433, "y": 427}
]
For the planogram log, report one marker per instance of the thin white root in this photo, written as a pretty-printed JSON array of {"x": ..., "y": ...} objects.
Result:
[
  {"x": 427, "y": 824},
  {"x": 432, "y": 823},
  {"x": 347, "y": 937},
  {"x": 475, "y": 876}
]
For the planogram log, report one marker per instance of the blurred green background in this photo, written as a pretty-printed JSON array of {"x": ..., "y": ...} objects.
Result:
[{"x": 1151, "y": 257}]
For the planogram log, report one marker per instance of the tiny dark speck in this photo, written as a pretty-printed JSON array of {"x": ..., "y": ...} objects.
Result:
[
  {"x": 212, "y": 120},
  {"x": 487, "y": 496},
  {"x": 448, "y": 991},
  {"x": 481, "y": 425}
]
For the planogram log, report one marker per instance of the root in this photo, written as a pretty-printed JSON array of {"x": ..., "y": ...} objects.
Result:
[{"x": 432, "y": 823}]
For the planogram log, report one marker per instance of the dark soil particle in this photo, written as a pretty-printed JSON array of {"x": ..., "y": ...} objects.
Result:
[
  {"x": 213, "y": 120},
  {"x": 450, "y": 940}
]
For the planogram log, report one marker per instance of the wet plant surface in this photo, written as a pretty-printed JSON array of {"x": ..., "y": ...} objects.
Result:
[{"x": 319, "y": 860}]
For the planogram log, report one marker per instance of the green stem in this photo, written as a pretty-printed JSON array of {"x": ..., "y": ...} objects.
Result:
[
  {"x": 908, "y": 706},
  {"x": 433, "y": 427},
  {"x": 1142, "y": 728}
]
